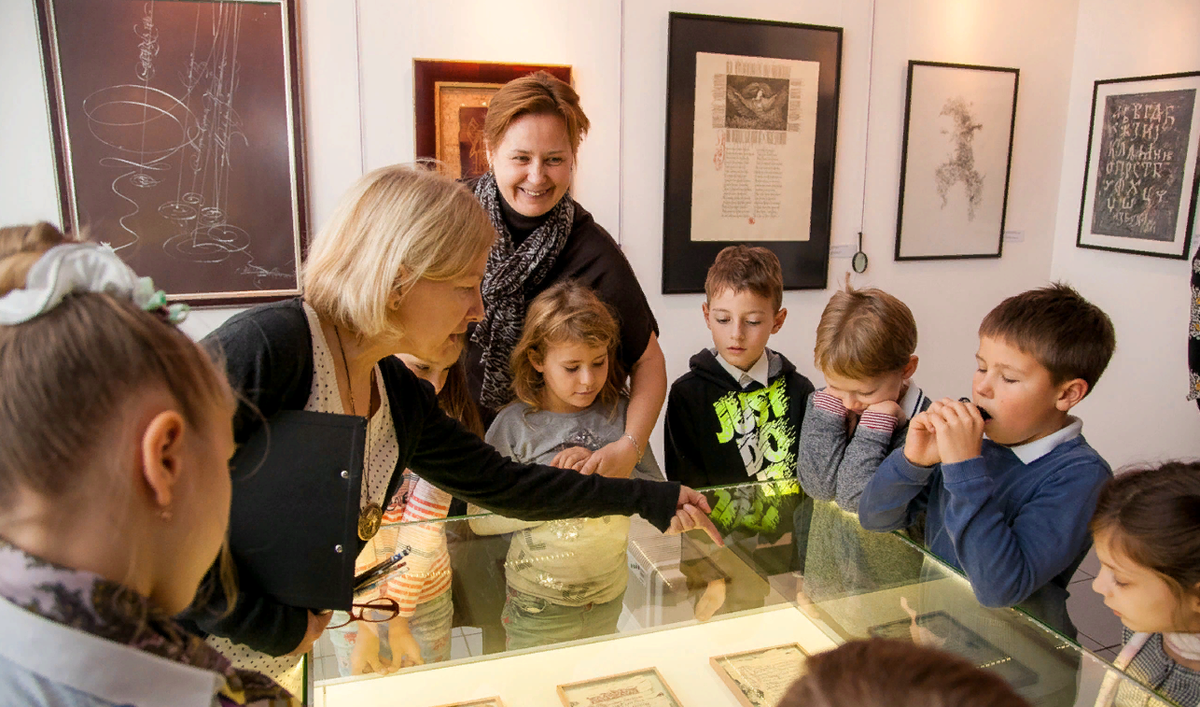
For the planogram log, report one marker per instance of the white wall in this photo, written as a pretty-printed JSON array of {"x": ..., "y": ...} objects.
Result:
[
  {"x": 1138, "y": 411},
  {"x": 619, "y": 54}
]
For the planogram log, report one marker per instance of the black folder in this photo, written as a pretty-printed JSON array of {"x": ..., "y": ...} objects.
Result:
[{"x": 294, "y": 518}]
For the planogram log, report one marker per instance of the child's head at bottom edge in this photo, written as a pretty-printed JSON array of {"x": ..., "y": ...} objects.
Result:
[
  {"x": 1040, "y": 353},
  {"x": 1147, "y": 532},
  {"x": 566, "y": 357},
  {"x": 117, "y": 427},
  {"x": 886, "y": 673},
  {"x": 866, "y": 347},
  {"x": 743, "y": 303}
]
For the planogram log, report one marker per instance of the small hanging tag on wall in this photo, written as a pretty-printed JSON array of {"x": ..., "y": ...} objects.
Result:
[{"x": 859, "y": 262}]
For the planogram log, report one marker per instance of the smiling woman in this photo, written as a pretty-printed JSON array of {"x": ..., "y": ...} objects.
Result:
[
  {"x": 395, "y": 271},
  {"x": 533, "y": 129}
]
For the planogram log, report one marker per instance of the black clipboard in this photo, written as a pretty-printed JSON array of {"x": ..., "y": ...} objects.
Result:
[{"x": 293, "y": 524}]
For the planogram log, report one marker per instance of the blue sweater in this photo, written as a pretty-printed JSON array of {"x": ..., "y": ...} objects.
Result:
[{"x": 1012, "y": 528}]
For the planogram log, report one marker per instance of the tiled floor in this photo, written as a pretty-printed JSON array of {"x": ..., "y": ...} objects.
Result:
[{"x": 1099, "y": 628}]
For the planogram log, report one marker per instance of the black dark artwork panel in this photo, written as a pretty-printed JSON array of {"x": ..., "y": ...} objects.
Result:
[
  {"x": 1139, "y": 185},
  {"x": 176, "y": 132}
]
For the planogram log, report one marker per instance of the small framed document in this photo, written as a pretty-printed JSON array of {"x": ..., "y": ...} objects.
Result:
[
  {"x": 759, "y": 678},
  {"x": 640, "y": 688},
  {"x": 485, "y": 702}
]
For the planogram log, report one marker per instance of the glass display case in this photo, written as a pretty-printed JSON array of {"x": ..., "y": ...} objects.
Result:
[{"x": 535, "y": 603}]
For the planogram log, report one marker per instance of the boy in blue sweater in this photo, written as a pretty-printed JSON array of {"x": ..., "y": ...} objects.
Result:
[{"x": 1008, "y": 481}]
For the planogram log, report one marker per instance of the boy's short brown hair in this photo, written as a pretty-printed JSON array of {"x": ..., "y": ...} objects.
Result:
[
  {"x": 743, "y": 268},
  {"x": 1070, "y": 337},
  {"x": 864, "y": 333},
  {"x": 888, "y": 673}
]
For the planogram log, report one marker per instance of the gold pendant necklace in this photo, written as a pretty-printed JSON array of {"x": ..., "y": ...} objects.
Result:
[{"x": 370, "y": 516}]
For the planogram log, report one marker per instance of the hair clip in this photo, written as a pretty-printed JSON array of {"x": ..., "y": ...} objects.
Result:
[{"x": 152, "y": 300}]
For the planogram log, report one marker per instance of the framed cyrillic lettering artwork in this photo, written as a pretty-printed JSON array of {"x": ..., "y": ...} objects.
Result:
[{"x": 1139, "y": 186}]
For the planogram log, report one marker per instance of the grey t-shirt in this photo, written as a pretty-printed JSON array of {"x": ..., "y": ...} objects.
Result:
[{"x": 574, "y": 561}]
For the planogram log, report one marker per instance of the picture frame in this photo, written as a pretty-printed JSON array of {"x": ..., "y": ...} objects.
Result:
[
  {"x": 182, "y": 149},
  {"x": 959, "y": 123},
  {"x": 1143, "y": 169},
  {"x": 760, "y": 677},
  {"x": 450, "y": 101},
  {"x": 484, "y": 702},
  {"x": 751, "y": 139},
  {"x": 638, "y": 688},
  {"x": 948, "y": 634}
]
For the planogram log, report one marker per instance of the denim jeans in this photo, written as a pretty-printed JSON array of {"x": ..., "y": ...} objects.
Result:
[{"x": 533, "y": 621}]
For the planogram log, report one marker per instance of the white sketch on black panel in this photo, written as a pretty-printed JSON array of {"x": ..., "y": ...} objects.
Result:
[{"x": 194, "y": 134}]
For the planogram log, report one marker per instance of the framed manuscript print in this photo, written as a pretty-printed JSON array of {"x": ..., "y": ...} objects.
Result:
[
  {"x": 451, "y": 99},
  {"x": 178, "y": 140},
  {"x": 958, "y": 134},
  {"x": 1139, "y": 186},
  {"x": 751, "y": 134},
  {"x": 640, "y": 688},
  {"x": 761, "y": 677}
]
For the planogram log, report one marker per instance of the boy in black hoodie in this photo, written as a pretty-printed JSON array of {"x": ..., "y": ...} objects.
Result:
[{"x": 735, "y": 416}]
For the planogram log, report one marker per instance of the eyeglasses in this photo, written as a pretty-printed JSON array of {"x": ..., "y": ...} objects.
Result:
[{"x": 385, "y": 610}]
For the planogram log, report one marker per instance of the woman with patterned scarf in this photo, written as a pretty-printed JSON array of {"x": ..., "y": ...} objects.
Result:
[
  {"x": 533, "y": 128},
  {"x": 114, "y": 486}
]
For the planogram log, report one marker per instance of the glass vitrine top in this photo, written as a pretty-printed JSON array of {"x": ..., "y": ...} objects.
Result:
[{"x": 561, "y": 598}]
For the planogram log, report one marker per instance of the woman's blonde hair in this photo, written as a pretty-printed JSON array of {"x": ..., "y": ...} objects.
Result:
[
  {"x": 395, "y": 226},
  {"x": 66, "y": 373},
  {"x": 566, "y": 313}
]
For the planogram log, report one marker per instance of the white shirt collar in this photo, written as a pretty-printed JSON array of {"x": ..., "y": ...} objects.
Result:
[
  {"x": 910, "y": 404},
  {"x": 1030, "y": 452},
  {"x": 760, "y": 371}
]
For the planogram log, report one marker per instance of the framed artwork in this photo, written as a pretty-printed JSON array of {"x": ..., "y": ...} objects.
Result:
[
  {"x": 751, "y": 135},
  {"x": 640, "y": 688},
  {"x": 958, "y": 134},
  {"x": 451, "y": 100},
  {"x": 760, "y": 678},
  {"x": 940, "y": 630},
  {"x": 1139, "y": 186},
  {"x": 486, "y": 702},
  {"x": 178, "y": 140}
]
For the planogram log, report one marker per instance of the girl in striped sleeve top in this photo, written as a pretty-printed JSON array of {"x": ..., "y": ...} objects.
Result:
[{"x": 421, "y": 632}]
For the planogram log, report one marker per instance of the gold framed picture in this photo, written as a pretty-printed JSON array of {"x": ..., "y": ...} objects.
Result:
[
  {"x": 640, "y": 688},
  {"x": 760, "y": 677}
]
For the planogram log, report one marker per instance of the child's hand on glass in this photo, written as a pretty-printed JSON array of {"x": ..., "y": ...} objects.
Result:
[
  {"x": 364, "y": 658},
  {"x": 571, "y": 458},
  {"x": 406, "y": 652},
  {"x": 958, "y": 428}
]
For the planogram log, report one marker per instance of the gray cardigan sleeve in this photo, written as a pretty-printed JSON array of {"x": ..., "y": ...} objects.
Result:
[{"x": 836, "y": 466}]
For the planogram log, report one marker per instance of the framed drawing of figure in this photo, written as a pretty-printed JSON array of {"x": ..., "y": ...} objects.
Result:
[{"x": 958, "y": 133}]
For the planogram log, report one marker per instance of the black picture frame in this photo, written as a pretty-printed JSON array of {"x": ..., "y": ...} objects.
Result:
[
  {"x": 178, "y": 138},
  {"x": 1138, "y": 205},
  {"x": 950, "y": 206},
  {"x": 686, "y": 261}
]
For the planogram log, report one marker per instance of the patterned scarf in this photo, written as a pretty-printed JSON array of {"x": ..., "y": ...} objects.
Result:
[
  {"x": 511, "y": 272},
  {"x": 103, "y": 608}
]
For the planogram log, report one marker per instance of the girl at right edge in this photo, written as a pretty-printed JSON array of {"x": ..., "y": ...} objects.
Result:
[{"x": 1147, "y": 533}]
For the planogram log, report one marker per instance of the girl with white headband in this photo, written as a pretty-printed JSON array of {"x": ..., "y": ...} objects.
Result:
[
  {"x": 114, "y": 486},
  {"x": 1147, "y": 532}
]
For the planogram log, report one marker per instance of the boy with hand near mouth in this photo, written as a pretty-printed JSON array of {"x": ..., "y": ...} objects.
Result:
[
  {"x": 1008, "y": 499},
  {"x": 866, "y": 344},
  {"x": 735, "y": 417}
]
